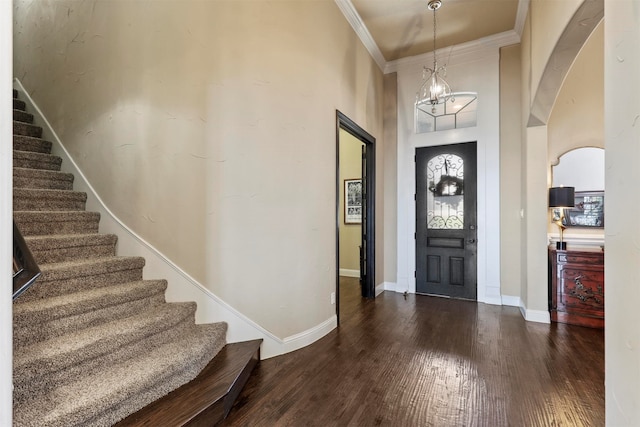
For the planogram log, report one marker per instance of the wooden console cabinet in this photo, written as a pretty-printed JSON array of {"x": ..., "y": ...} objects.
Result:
[{"x": 576, "y": 293}]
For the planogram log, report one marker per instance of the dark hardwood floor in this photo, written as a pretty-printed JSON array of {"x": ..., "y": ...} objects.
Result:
[{"x": 426, "y": 361}]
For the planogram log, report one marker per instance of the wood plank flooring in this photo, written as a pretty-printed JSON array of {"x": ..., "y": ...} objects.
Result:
[{"x": 426, "y": 361}]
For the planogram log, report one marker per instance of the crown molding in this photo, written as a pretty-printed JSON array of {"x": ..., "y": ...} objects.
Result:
[
  {"x": 521, "y": 16},
  {"x": 361, "y": 30},
  {"x": 465, "y": 52}
]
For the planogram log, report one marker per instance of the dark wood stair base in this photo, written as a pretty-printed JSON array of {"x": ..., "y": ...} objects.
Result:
[{"x": 207, "y": 399}]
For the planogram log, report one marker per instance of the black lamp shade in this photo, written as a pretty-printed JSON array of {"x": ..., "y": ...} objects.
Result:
[{"x": 562, "y": 197}]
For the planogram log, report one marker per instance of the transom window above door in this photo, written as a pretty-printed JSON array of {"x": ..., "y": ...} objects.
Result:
[{"x": 455, "y": 113}]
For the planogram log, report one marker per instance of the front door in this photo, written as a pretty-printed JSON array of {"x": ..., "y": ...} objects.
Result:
[{"x": 446, "y": 220}]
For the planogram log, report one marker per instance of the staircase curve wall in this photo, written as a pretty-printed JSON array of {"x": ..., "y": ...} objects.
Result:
[{"x": 182, "y": 287}]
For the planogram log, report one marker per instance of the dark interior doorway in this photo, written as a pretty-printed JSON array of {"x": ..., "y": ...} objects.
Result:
[{"x": 366, "y": 214}]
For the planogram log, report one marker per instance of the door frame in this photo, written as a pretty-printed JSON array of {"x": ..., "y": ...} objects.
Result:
[{"x": 345, "y": 123}]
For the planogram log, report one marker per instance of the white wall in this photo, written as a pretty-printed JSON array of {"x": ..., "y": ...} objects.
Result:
[
  {"x": 6, "y": 214},
  {"x": 622, "y": 204},
  {"x": 474, "y": 70}
]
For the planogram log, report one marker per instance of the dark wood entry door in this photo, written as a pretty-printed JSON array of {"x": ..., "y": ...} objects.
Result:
[{"x": 446, "y": 231}]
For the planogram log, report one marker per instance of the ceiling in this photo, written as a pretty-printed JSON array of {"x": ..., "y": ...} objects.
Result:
[{"x": 403, "y": 28}]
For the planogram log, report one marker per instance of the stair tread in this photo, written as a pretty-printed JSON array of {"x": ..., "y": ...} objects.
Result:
[
  {"x": 91, "y": 263},
  {"x": 70, "y": 239},
  {"x": 45, "y": 173},
  {"x": 31, "y": 140},
  {"x": 92, "y": 340},
  {"x": 44, "y": 223},
  {"x": 22, "y": 116},
  {"x": 209, "y": 387},
  {"x": 65, "y": 305},
  {"x": 44, "y": 319},
  {"x": 145, "y": 378},
  {"x": 49, "y": 192},
  {"x": 28, "y": 129}
]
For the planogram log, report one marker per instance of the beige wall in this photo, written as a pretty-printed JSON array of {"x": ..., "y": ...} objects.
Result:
[
  {"x": 577, "y": 118},
  {"x": 547, "y": 21},
  {"x": 209, "y": 129},
  {"x": 622, "y": 254},
  {"x": 510, "y": 171},
  {"x": 350, "y": 168}
]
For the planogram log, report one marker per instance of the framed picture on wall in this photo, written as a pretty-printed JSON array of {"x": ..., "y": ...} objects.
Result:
[
  {"x": 587, "y": 212},
  {"x": 353, "y": 201}
]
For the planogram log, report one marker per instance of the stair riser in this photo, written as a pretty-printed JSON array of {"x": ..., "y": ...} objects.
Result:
[
  {"x": 25, "y": 332},
  {"x": 47, "y": 204},
  {"x": 19, "y": 105},
  {"x": 51, "y": 163},
  {"x": 27, "y": 129},
  {"x": 34, "y": 145},
  {"x": 44, "y": 288},
  {"x": 22, "y": 116},
  {"x": 42, "y": 183},
  {"x": 45, "y": 227},
  {"x": 62, "y": 254},
  {"x": 38, "y": 378}
]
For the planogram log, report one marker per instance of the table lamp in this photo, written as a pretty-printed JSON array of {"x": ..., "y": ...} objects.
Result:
[{"x": 561, "y": 197}]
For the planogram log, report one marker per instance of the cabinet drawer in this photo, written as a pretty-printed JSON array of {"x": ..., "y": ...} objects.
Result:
[{"x": 582, "y": 288}]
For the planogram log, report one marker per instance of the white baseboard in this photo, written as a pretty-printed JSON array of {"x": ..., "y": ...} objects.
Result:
[
  {"x": 391, "y": 286},
  {"x": 181, "y": 286},
  {"x": 538, "y": 316},
  {"x": 511, "y": 301},
  {"x": 349, "y": 273},
  {"x": 303, "y": 339},
  {"x": 380, "y": 288}
]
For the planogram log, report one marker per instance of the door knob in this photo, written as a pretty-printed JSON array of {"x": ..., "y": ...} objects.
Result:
[{"x": 471, "y": 241}]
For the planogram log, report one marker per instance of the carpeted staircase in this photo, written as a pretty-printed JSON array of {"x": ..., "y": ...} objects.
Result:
[{"x": 93, "y": 341}]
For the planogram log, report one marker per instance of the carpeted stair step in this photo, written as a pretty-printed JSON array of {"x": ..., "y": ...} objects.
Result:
[
  {"x": 27, "y": 129},
  {"x": 57, "y": 361},
  {"x": 73, "y": 276},
  {"x": 103, "y": 397},
  {"x": 34, "y": 223},
  {"x": 39, "y": 320},
  {"x": 42, "y": 179},
  {"x": 69, "y": 247},
  {"x": 33, "y": 199},
  {"x": 29, "y": 143},
  {"x": 22, "y": 116},
  {"x": 18, "y": 104},
  {"x": 27, "y": 159}
]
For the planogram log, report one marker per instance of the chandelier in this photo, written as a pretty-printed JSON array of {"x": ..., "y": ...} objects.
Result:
[{"x": 434, "y": 89}]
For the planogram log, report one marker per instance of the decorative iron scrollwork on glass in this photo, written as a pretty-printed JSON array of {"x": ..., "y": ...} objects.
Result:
[{"x": 445, "y": 192}]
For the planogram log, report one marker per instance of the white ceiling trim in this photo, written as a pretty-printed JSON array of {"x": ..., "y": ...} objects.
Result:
[
  {"x": 361, "y": 30},
  {"x": 521, "y": 16},
  {"x": 464, "y": 52}
]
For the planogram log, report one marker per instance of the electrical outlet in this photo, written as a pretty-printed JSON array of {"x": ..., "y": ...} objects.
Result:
[{"x": 333, "y": 297}]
